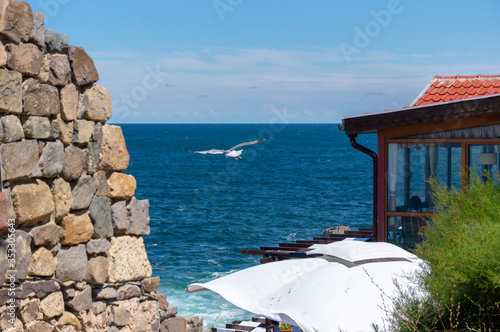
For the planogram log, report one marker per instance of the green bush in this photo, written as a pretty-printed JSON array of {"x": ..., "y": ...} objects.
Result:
[{"x": 462, "y": 247}]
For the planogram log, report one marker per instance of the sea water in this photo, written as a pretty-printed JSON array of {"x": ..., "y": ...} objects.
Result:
[{"x": 204, "y": 209}]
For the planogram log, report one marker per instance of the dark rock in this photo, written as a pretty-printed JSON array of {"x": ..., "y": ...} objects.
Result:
[
  {"x": 16, "y": 21},
  {"x": 40, "y": 99},
  {"x": 82, "y": 300},
  {"x": 59, "y": 70},
  {"x": 98, "y": 307},
  {"x": 46, "y": 235},
  {"x": 84, "y": 70},
  {"x": 119, "y": 217},
  {"x": 40, "y": 288},
  {"x": 29, "y": 309},
  {"x": 106, "y": 293},
  {"x": 100, "y": 246},
  {"x": 38, "y": 31},
  {"x": 73, "y": 163},
  {"x": 83, "y": 192},
  {"x": 128, "y": 291},
  {"x": 72, "y": 263},
  {"x": 138, "y": 216},
  {"x": 6, "y": 211},
  {"x": 93, "y": 158},
  {"x": 19, "y": 159},
  {"x": 56, "y": 42},
  {"x": 102, "y": 183},
  {"x": 51, "y": 160},
  {"x": 100, "y": 213}
]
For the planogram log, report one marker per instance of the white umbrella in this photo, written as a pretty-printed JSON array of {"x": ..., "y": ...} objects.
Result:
[{"x": 322, "y": 293}]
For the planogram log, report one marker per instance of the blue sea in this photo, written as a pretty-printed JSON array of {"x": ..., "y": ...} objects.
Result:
[{"x": 204, "y": 209}]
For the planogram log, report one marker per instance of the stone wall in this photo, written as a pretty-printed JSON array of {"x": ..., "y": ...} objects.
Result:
[{"x": 71, "y": 253}]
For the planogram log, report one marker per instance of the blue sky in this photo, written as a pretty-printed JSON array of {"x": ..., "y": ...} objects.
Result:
[{"x": 251, "y": 61}]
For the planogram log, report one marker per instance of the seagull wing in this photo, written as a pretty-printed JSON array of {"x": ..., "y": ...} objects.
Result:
[
  {"x": 246, "y": 143},
  {"x": 212, "y": 151}
]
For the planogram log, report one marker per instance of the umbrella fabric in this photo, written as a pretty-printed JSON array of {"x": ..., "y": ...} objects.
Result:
[{"x": 316, "y": 294}]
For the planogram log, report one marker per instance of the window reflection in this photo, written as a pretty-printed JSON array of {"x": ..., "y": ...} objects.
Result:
[{"x": 483, "y": 160}]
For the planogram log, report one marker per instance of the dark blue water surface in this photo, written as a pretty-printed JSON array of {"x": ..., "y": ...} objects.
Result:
[{"x": 204, "y": 209}]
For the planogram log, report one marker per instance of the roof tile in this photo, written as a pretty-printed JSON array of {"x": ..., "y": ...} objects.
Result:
[{"x": 450, "y": 88}]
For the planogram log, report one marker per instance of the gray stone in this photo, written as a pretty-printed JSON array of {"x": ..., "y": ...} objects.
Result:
[
  {"x": 23, "y": 255},
  {"x": 100, "y": 213},
  {"x": 40, "y": 99},
  {"x": 97, "y": 135},
  {"x": 119, "y": 217},
  {"x": 83, "y": 192},
  {"x": 175, "y": 324},
  {"x": 73, "y": 163},
  {"x": 167, "y": 313},
  {"x": 37, "y": 127},
  {"x": 40, "y": 288},
  {"x": 51, "y": 159},
  {"x": 24, "y": 58},
  {"x": 56, "y": 42},
  {"x": 102, "y": 183},
  {"x": 162, "y": 301},
  {"x": 59, "y": 70},
  {"x": 194, "y": 324},
  {"x": 93, "y": 157},
  {"x": 120, "y": 316},
  {"x": 11, "y": 92},
  {"x": 138, "y": 216},
  {"x": 64, "y": 128},
  {"x": 100, "y": 246},
  {"x": 46, "y": 235},
  {"x": 98, "y": 307},
  {"x": 72, "y": 263},
  {"x": 61, "y": 192},
  {"x": 151, "y": 284},
  {"x": 97, "y": 271},
  {"x": 69, "y": 292},
  {"x": 38, "y": 326},
  {"x": 69, "y": 102},
  {"x": 84, "y": 70},
  {"x": 1, "y": 131},
  {"x": 38, "y": 31},
  {"x": 15, "y": 21},
  {"x": 19, "y": 159},
  {"x": 83, "y": 105},
  {"x": 113, "y": 329},
  {"x": 6, "y": 210},
  {"x": 128, "y": 291},
  {"x": 82, "y": 300},
  {"x": 83, "y": 130},
  {"x": 12, "y": 129},
  {"x": 107, "y": 293},
  {"x": 29, "y": 310}
]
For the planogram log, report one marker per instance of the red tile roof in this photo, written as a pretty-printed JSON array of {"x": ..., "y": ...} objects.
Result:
[{"x": 450, "y": 88}]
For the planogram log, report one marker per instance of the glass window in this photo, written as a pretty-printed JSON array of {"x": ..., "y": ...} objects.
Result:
[
  {"x": 411, "y": 165},
  {"x": 483, "y": 160},
  {"x": 404, "y": 231}
]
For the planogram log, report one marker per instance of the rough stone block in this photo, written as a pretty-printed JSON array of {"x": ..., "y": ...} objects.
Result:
[
  {"x": 40, "y": 99},
  {"x": 32, "y": 202},
  {"x": 59, "y": 70},
  {"x": 44, "y": 74},
  {"x": 106, "y": 293},
  {"x": 138, "y": 216},
  {"x": 77, "y": 228},
  {"x": 97, "y": 270},
  {"x": 72, "y": 263},
  {"x": 38, "y": 326},
  {"x": 84, "y": 70},
  {"x": 121, "y": 186},
  {"x": 56, "y": 42},
  {"x": 11, "y": 92},
  {"x": 83, "y": 105},
  {"x": 6, "y": 210},
  {"x": 73, "y": 163},
  {"x": 19, "y": 159},
  {"x": 99, "y": 246},
  {"x": 82, "y": 300},
  {"x": 119, "y": 217},
  {"x": 102, "y": 183},
  {"x": 52, "y": 305},
  {"x": 98, "y": 307},
  {"x": 37, "y": 127},
  {"x": 29, "y": 310},
  {"x": 128, "y": 260},
  {"x": 3, "y": 55},
  {"x": 83, "y": 191},
  {"x": 46, "y": 235},
  {"x": 15, "y": 20},
  {"x": 42, "y": 263},
  {"x": 69, "y": 102},
  {"x": 93, "y": 157},
  {"x": 40, "y": 289},
  {"x": 38, "y": 30},
  {"x": 128, "y": 291},
  {"x": 100, "y": 213},
  {"x": 61, "y": 192},
  {"x": 24, "y": 58},
  {"x": 113, "y": 155},
  {"x": 83, "y": 130},
  {"x": 120, "y": 316},
  {"x": 175, "y": 324},
  {"x": 23, "y": 255},
  {"x": 99, "y": 108},
  {"x": 194, "y": 324},
  {"x": 68, "y": 318},
  {"x": 51, "y": 159},
  {"x": 151, "y": 284},
  {"x": 12, "y": 128},
  {"x": 64, "y": 128}
]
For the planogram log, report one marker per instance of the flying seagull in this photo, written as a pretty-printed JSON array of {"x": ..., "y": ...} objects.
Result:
[{"x": 232, "y": 152}]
